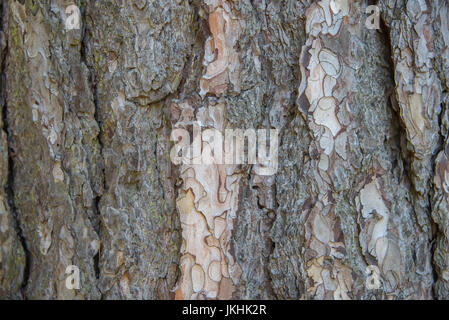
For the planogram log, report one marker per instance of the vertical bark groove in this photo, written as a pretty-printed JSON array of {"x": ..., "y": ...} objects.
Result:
[{"x": 13, "y": 287}]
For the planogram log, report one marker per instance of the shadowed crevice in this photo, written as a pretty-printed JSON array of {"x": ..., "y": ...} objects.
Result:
[
  {"x": 93, "y": 88},
  {"x": 9, "y": 189}
]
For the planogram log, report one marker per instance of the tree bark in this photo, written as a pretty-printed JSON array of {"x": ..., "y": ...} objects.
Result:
[{"x": 90, "y": 116}]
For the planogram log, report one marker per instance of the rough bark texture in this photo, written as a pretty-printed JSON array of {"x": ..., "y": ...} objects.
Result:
[{"x": 89, "y": 117}]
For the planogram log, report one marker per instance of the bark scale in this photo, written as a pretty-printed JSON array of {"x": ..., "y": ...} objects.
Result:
[{"x": 86, "y": 177}]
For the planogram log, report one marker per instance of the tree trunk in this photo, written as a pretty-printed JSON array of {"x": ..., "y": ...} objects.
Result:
[{"x": 91, "y": 114}]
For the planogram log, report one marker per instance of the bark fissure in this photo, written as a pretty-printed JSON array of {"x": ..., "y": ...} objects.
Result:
[
  {"x": 93, "y": 89},
  {"x": 10, "y": 195},
  {"x": 9, "y": 187}
]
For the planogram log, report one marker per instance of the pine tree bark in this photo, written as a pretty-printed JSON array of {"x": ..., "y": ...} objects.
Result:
[{"x": 89, "y": 117}]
